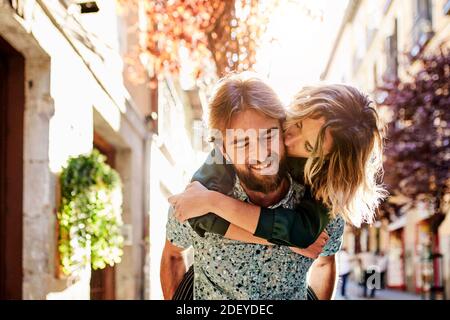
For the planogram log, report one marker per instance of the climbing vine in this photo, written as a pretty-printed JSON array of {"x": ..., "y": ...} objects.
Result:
[{"x": 89, "y": 216}]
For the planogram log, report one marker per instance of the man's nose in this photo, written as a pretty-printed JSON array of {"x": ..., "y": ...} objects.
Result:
[
  {"x": 258, "y": 152},
  {"x": 258, "y": 155}
]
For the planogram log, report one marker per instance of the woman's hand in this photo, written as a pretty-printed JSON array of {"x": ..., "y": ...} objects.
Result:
[
  {"x": 314, "y": 250},
  {"x": 193, "y": 202}
]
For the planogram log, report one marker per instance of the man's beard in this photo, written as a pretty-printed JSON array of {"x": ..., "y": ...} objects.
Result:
[{"x": 263, "y": 183}]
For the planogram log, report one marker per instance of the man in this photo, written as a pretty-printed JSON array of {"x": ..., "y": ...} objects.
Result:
[{"x": 230, "y": 269}]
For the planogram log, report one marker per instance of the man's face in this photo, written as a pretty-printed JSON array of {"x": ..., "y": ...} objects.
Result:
[{"x": 254, "y": 144}]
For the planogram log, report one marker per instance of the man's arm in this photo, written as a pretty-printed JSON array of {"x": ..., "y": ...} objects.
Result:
[
  {"x": 172, "y": 269},
  {"x": 323, "y": 271},
  {"x": 323, "y": 277}
]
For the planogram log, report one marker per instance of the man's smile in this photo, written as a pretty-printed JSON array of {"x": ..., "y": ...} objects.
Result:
[{"x": 262, "y": 165}]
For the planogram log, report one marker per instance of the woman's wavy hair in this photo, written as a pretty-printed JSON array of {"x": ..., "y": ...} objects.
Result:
[{"x": 348, "y": 178}]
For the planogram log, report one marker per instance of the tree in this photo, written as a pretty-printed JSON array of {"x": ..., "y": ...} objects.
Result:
[
  {"x": 225, "y": 31},
  {"x": 417, "y": 152}
]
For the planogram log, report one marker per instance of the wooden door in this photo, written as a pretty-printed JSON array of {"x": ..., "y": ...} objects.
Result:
[
  {"x": 103, "y": 282},
  {"x": 12, "y": 99}
]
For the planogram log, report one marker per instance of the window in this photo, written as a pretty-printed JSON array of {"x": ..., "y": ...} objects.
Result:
[
  {"x": 17, "y": 5},
  {"x": 423, "y": 26},
  {"x": 391, "y": 49},
  {"x": 374, "y": 19},
  {"x": 361, "y": 48},
  {"x": 424, "y": 9},
  {"x": 447, "y": 8}
]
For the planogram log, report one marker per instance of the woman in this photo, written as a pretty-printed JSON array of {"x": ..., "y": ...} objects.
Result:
[{"x": 334, "y": 128}]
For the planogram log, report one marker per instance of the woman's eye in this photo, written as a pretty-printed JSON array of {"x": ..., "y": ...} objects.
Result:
[{"x": 299, "y": 125}]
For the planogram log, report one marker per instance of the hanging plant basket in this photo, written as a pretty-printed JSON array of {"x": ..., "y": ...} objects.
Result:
[{"x": 90, "y": 214}]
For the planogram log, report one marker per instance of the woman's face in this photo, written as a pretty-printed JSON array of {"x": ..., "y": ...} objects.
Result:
[{"x": 301, "y": 138}]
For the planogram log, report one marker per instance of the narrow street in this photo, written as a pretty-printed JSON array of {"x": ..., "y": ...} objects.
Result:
[{"x": 354, "y": 292}]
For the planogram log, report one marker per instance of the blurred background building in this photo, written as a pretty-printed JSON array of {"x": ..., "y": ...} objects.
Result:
[{"x": 379, "y": 40}]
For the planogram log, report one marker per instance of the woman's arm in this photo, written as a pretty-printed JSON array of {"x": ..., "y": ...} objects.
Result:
[
  {"x": 300, "y": 227},
  {"x": 279, "y": 226},
  {"x": 239, "y": 234},
  {"x": 214, "y": 174}
]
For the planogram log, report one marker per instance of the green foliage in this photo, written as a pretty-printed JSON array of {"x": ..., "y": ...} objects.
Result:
[{"x": 90, "y": 213}]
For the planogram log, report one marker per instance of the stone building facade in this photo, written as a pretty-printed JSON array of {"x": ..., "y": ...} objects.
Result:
[
  {"x": 68, "y": 88},
  {"x": 74, "y": 99}
]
